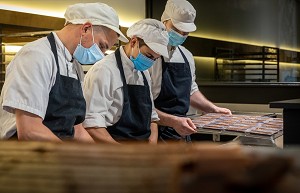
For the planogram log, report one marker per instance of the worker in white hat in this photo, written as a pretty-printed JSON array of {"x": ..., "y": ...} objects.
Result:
[
  {"x": 173, "y": 79},
  {"x": 118, "y": 88},
  {"x": 42, "y": 97}
]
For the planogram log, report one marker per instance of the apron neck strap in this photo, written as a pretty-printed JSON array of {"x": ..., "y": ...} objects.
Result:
[
  {"x": 51, "y": 40},
  {"x": 120, "y": 66}
]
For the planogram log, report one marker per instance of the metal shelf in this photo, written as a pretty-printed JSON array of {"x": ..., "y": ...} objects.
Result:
[
  {"x": 231, "y": 66},
  {"x": 232, "y": 59},
  {"x": 244, "y": 73},
  {"x": 248, "y": 64},
  {"x": 226, "y": 68}
]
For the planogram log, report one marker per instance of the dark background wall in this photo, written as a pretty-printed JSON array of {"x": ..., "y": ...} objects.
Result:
[
  {"x": 268, "y": 22},
  {"x": 245, "y": 26}
]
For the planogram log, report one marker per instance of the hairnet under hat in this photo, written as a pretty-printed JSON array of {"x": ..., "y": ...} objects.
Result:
[
  {"x": 154, "y": 34},
  {"x": 96, "y": 14},
  {"x": 181, "y": 13}
]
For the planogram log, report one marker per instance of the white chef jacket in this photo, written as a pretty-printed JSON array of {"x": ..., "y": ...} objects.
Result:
[
  {"x": 175, "y": 56},
  {"x": 103, "y": 90},
  {"x": 29, "y": 79}
]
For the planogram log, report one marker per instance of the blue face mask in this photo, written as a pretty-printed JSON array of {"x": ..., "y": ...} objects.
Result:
[
  {"x": 175, "y": 38},
  {"x": 88, "y": 55},
  {"x": 141, "y": 62}
]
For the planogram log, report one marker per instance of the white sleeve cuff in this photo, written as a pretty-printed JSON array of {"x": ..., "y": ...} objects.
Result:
[
  {"x": 154, "y": 116},
  {"x": 94, "y": 120},
  {"x": 10, "y": 106},
  {"x": 194, "y": 88}
]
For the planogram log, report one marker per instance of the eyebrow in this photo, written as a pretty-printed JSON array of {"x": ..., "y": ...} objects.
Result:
[{"x": 149, "y": 55}]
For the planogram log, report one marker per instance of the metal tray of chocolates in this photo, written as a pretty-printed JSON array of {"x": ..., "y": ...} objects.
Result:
[{"x": 239, "y": 125}]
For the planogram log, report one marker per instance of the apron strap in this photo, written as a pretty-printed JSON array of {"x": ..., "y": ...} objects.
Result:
[
  {"x": 120, "y": 66},
  {"x": 185, "y": 59},
  {"x": 164, "y": 67},
  {"x": 53, "y": 48},
  {"x": 145, "y": 79}
]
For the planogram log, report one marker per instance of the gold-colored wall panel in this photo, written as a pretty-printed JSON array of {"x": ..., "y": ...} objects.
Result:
[{"x": 30, "y": 20}]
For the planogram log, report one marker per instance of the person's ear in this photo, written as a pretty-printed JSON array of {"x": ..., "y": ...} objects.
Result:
[
  {"x": 168, "y": 24},
  {"x": 133, "y": 41},
  {"x": 85, "y": 27}
]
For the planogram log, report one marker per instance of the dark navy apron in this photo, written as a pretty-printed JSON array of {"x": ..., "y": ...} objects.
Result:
[
  {"x": 174, "y": 96},
  {"x": 134, "y": 123},
  {"x": 66, "y": 106}
]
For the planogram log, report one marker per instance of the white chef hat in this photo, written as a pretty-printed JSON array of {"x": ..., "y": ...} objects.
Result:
[
  {"x": 154, "y": 34},
  {"x": 181, "y": 13},
  {"x": 96, "y": 14}
]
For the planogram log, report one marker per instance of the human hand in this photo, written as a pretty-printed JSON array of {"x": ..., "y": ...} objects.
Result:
[
  {"x": 222, "y": 110},
  {"x": 184, "y": 126}
]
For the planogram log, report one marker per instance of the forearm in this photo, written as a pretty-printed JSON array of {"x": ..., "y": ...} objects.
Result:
[
  {"x": 35, "y": 132},
  {"x": 82, "y": 135},
  {"x": 200, "y": 102},
  {"x": 166, "y": 119},
  {"x": 154, "y": 133},
  {"x": 101, "y": 135},
  {"x": 31, "y": 128}
]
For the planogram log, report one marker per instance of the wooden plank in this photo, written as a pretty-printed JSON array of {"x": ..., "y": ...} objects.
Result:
[{"x": 83, "y": 168}]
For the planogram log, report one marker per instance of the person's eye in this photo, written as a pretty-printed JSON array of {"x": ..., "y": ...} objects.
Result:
[
  {"x": 151, "y": 57},
  {"x": 103, "y": 46}
]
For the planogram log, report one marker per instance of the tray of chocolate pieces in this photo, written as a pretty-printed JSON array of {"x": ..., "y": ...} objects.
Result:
[
  {"x": 268, "y": 127},
  {"x": 245, "y": 124},
  {"x": 206, "y": 119}
]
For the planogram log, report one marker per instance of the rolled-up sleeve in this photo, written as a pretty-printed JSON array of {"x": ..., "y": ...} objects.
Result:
[
  {"x": 194, "y": 87},
  {"x": 154, "y": 116}
]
